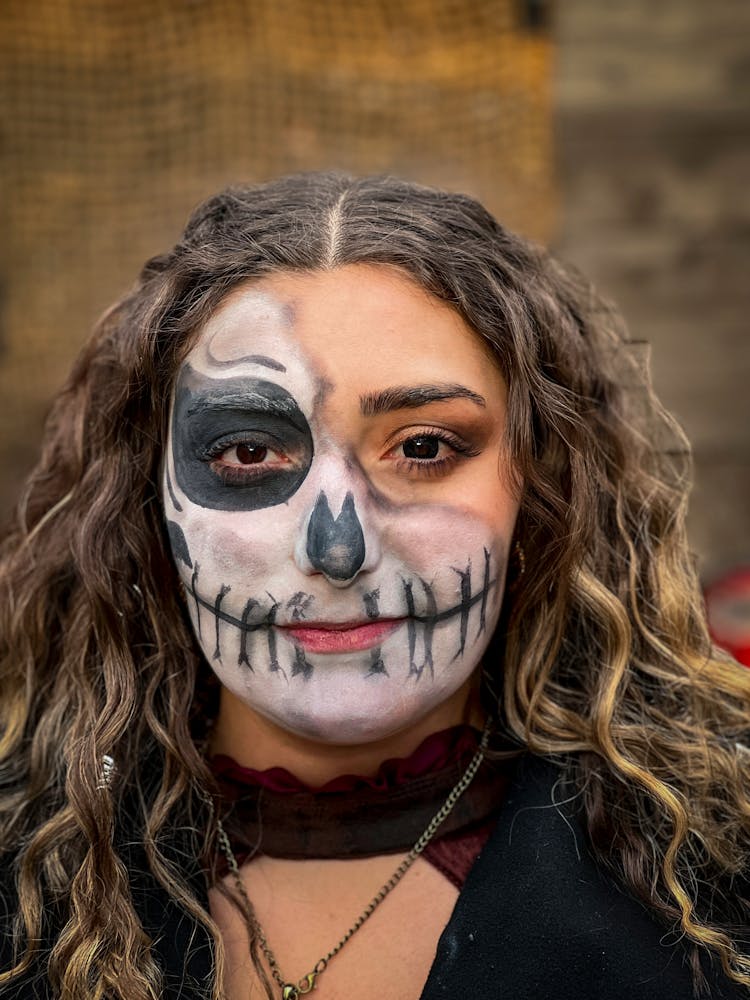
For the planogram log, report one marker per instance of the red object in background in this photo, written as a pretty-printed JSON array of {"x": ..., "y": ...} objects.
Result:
[{"x": 728, "y": 610}]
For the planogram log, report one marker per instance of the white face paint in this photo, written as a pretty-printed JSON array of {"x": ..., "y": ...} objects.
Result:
[{"x": 338, "y": 501}]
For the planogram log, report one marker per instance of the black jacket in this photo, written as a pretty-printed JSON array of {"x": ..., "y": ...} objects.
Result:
[{"x": 536, "y": 920}]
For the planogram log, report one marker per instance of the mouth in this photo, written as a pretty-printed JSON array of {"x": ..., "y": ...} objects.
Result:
[
  {"x": 341, "y": 637},
  {"x": 258, "y": 624}
]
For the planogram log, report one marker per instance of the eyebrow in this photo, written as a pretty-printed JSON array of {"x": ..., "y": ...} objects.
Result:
[
  {"x": 251, "y": 401},
  {"x": 409, "y": 397}
]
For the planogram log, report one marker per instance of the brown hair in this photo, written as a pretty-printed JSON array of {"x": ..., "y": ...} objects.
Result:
[{"x": 602, "y": 658}]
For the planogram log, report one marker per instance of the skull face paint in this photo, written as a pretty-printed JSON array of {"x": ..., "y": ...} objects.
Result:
[
  {"x": 212, "y": 416},
  {"x": 338, "y": 500}
]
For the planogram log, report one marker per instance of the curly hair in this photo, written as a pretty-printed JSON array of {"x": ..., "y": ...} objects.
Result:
[{"x": 601, "y": 660}]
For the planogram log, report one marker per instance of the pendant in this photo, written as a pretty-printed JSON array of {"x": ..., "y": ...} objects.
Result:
[{"x": 290, "y": 991}]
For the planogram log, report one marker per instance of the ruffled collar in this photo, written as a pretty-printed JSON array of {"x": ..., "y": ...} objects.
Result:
[
  {"x": 433, "y": 754},
  {"x": 272, "y": 812}
]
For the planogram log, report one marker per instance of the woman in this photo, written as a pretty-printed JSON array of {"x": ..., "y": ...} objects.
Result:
[{"x": 351, "y": 514}]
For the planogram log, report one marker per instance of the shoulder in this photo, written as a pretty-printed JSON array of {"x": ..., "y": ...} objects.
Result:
[{"x": 538, "y": 918}]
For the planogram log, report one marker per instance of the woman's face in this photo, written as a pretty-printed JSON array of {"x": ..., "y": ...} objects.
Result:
[{"x": 339, "y": 501}]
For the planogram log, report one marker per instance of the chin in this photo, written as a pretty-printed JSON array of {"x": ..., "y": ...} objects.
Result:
[{"x": 353, "y": 718}]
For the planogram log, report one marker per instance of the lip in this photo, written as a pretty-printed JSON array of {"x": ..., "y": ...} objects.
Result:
[{"x": 342, "y": 637}]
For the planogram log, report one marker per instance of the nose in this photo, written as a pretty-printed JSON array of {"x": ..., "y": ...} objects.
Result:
[{"x": 336, "y": 543}]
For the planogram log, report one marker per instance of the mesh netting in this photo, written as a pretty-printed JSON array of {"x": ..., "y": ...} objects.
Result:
[{"x": 121, "y": 116}]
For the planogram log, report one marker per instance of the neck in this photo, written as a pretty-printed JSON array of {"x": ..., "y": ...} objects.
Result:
[{"x": 256, "y": 742}]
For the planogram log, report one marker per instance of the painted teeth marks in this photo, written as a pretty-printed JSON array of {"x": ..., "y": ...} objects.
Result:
[
  {"x": 420, "y": 624},
  {"x": 442, "y": 616},
  {"x": 273, "y": 656},
  {"x": 485, "y": 594},
  {"x": 252, "y": 625},
  {"x": 299, "y": 604},
  {"x": 432, "y": 617},
  {"x": 245, "y": 633},
  {"x": 194, "y": 592},
  {"x": 370, "y": 601},
  {"x": 427, "y": 622},
  {"x": 411, "y": 625},
  {"x": 465, "y": 577},
  {"x": 217, "y": 607},
  {"x": 429, "y": 626},
  {"x": 376, "y": 664},
  {"x": 301, "y": 667},
  {"x": 247, "y": 625}
]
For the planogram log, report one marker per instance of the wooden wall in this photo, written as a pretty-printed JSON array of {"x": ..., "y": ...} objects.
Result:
[{"x": 653, "y": 132}]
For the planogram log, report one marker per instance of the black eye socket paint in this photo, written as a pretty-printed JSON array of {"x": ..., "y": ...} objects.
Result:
[{"x": 207, "y": 411}]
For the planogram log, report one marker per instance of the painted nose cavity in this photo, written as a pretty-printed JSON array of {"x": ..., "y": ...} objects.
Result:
[{"x": 335, "y": 545}]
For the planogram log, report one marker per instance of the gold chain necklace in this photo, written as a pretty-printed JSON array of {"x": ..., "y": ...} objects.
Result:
[{"x": 292, "y": 991}]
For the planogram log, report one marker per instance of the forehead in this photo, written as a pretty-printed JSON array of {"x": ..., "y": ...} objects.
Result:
[{"x": 361, "y": 325}]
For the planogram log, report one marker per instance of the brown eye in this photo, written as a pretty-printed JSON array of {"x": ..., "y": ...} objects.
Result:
[
  {"x": 248, "y": 454},
  {"x": 421, "y": 447}
]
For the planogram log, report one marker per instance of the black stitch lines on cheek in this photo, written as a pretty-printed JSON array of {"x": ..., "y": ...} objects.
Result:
[
  {"x": 423, "y": 624},
  {"x": 376, "y": 664},
  {"x": 485, "y": 594},
  {"x": 273, "y": 659},
  {"x": 421, "y": 612},
  {"x": 370, "y": 601},
  {"x": 245, "y": 633},
  {"x": 427, "y": 624},
  {"x": 209, "y": 411},
  {"x": 465, "y": 575},
  {"x": 299, "y": 604},
  {"x": 429, "y": 627},
  {"x": 411, "y": 624},
  {"x": 253, "y": 619},
  {"x": 194, "y": 592},
  {"x": 301, "y": 665},
  {"x": 217, "y": 608}
]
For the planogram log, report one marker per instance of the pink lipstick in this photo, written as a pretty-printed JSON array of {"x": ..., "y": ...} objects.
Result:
[{"x": 347, "y": 637}]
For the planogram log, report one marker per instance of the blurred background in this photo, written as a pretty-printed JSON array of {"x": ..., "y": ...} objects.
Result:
[{"x": 617, "y": 133}]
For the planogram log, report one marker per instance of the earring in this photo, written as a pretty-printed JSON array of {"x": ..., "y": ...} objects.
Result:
[{"x": 520, "y": 555}]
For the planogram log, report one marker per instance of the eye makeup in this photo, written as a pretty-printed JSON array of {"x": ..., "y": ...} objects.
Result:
[
  {"x": 213, "y": 416},
  {"x": 256, "y": 455},
  {"x": 430, "y": 451}
]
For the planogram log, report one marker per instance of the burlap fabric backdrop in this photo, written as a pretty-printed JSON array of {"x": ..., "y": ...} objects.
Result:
[{"x": 120, "y": 116}]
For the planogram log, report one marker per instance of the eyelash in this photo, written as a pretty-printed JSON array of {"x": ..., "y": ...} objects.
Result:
[
  {"x": 424, "y": 467},
  {"x": 433, "y": 467},
  {"x": 238, "y": 475}
]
